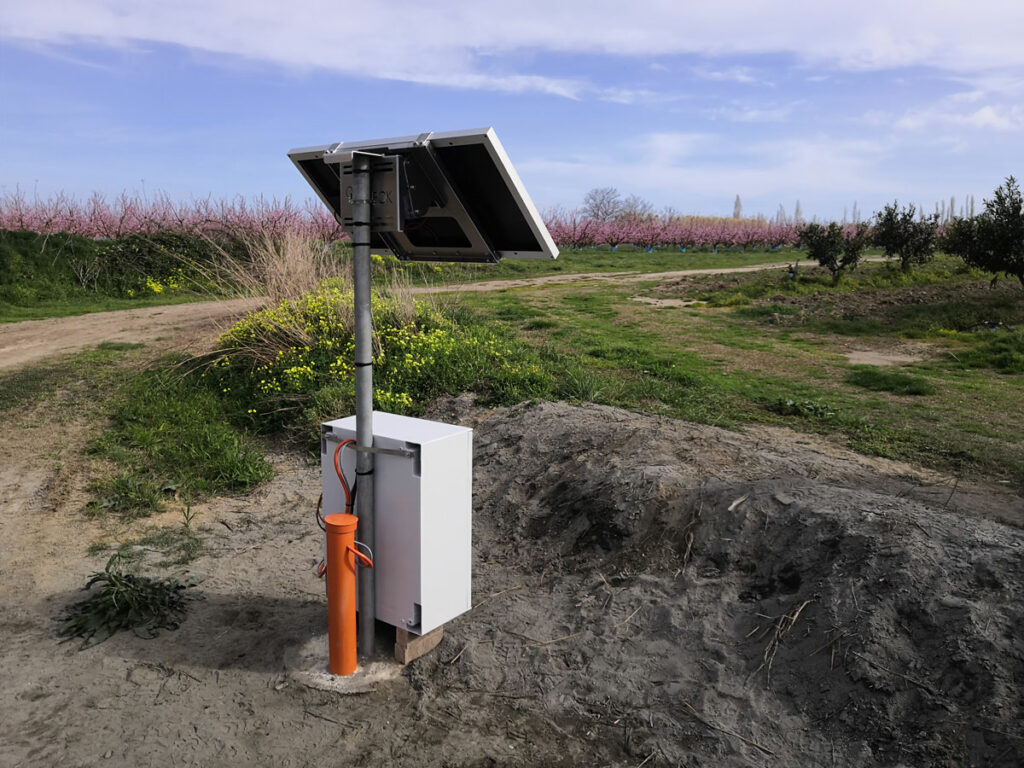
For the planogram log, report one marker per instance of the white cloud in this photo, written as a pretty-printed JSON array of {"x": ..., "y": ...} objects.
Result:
[
  {"x": 991, "y": 117},
  {"x": 990, "y": 102},
  {"x": 735, "y": 74},
  {"x": 739, "y": 113},
  {"x": 672, "y": 148},
  {"x": 442, "y": 43}
]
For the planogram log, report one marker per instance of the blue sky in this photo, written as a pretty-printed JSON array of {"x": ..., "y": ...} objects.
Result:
[{"x": 684, "y": 104}]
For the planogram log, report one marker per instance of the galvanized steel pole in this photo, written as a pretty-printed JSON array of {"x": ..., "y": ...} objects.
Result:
[{"x": 364, "y": 394}]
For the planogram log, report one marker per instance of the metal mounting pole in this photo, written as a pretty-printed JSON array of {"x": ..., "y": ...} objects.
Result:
[{"x": 364, "y": 394}]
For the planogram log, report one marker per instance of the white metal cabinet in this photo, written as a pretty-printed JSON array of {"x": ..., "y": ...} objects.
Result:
[{"x": 422, "y": 516}]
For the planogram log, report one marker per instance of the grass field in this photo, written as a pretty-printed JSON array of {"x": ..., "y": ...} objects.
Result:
[
  {"x": 758, "y": 348},
  {"x": 87, "y": 304}
]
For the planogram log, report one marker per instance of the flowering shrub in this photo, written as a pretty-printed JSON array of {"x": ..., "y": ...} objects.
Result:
[
  {"x": 571, "y": 229},
  {"x": 128, "y": 214},
  {"x": 294, "y": 362}
]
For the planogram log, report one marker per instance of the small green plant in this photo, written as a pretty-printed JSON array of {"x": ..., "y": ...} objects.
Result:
[
  {"x": 809, "y": 409},
  {"x": 578, "y": 384},
  {"x": 1003, "y": 351},
  {"x": 127, "y": 494},
  {"x": 125, "y": 601},
  {"x": 187, "y": 516},
  {"x": 877, "y": 380}
]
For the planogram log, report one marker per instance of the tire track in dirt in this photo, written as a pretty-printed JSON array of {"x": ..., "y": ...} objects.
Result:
[{"x": 592, "y": 277}]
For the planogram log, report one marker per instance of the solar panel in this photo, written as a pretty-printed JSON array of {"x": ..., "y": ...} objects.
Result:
[{"x": 451, "y": 196}]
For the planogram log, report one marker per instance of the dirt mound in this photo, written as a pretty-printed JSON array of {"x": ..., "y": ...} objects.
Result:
[{"x": 684, "y": 599}]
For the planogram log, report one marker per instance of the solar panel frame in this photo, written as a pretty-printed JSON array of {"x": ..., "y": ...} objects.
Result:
[{"x": 475, "y": 187}]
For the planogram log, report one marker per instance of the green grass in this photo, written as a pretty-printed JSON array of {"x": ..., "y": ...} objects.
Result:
[
  {"x": 88, "y": 303},
  {"x": 93, "y": 370},
  {"x": 171, "y": 435},
  {"x": 41, "y": 276},
  {"x": 1000, "y": 350},
  {"x": 878, "y": 380},
  {"x": 735, "y": 365},
  {"x": 814, "y": 281},
  {"x": 63, "y": 275},
  {"x": 179, "y": 545},
  {"x": 757, "y": 362},
  {"x": 129, "y": 494}
]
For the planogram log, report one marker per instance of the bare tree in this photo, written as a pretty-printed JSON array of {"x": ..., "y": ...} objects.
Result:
[
  {"x": 636, "y": 207},
  {"x": 602, "y": 204},
  {"x": 737, "y": 208},
  {"x": 798, "y": 214}
]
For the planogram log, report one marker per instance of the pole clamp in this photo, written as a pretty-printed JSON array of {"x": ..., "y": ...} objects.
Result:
[{"x": 387, "y": 451}]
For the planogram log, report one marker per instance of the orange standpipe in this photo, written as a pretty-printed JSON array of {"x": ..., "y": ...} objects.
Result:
[{"x": 341, "y": 591}]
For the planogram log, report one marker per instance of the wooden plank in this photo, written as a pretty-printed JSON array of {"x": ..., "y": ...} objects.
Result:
[{"x": 409, "y": 647}]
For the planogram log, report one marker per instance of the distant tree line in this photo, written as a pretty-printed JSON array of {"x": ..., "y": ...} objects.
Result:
[{"x": 992, "y": 240}]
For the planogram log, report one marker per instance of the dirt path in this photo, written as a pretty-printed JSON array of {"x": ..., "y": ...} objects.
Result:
[
  {"x": 595, "y": 277},
  {"x": 33, "y": 340}
]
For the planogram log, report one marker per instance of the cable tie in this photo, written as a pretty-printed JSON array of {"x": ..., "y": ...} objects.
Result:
[
  {"x": 363, "y": 365},
  {"x": 360, "y": 474}
]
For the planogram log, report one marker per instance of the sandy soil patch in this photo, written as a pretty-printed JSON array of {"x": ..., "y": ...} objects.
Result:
[
  {"x": 656, "y": 302},
  {"x": 646, "y": 590},
  {"x": 880, "y": 358}
]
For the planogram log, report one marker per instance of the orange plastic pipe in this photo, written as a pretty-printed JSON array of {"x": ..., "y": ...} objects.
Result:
[{"x": 341, "y": 591}]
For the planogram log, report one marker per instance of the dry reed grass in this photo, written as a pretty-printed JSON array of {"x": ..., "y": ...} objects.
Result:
[{"x": 283, "y": 267}]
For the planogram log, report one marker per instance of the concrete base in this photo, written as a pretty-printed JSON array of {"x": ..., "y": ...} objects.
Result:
[
  {"x": 410, "y": 647},
  {"x": 308, "y": 665}
]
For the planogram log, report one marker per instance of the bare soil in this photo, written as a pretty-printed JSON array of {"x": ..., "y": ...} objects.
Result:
[
  {"x": 645, "y": 589},
  {"x": 647, "y": 592},
  {"x": 30, "y": 341}
]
